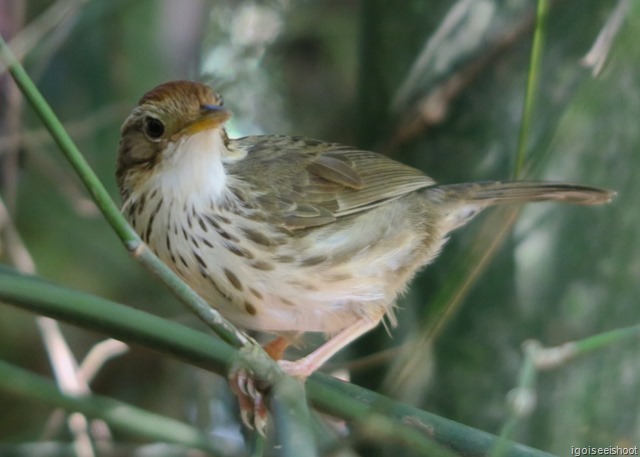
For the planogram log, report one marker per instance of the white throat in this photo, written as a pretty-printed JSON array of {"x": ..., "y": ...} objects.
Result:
[{"x": 193, "y": 165}]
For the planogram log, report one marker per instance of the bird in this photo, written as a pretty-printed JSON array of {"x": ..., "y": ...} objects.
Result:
[{"x": 300, "y": 235}]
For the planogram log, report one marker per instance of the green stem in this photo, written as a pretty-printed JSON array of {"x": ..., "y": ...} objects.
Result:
[
  {"x": 605, "y": 339},
  {"x": 223, "y": 328},
  {"x": 552, "y": 357},
  {"x": 125, "y": 232},
  {"x": 66, "y": 144},
  {"x": 355, "y": 404},
  {"x": 521, "y": 401},
  {"x": 117, "y": 414},
  {"x": 532, "y": 86},
  {"x": 258, "y": 362},
  {"x": 118, "y": 321},
  {"x": 408, "y": 425},
  {"x": 293, "y": 425}
]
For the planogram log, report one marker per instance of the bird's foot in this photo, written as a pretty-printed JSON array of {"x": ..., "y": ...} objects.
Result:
[
  {"x": 251, "y": 399},
  {"x": 251, "y": 392}
]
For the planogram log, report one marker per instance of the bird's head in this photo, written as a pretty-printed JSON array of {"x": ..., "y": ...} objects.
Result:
[{"x": 172, "y": 121}]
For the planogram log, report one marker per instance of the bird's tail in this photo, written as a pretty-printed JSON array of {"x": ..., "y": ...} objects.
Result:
[{"x": 463, "y": 201}]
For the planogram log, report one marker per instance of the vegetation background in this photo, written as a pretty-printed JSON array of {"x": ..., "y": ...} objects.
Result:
[{"x": 439, "y": 85}]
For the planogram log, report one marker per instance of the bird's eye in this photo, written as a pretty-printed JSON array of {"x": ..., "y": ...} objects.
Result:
[{"x": 154, "y": 128}]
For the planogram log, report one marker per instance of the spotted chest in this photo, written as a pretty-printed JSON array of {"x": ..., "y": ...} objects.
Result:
[
  {"x": 215, "y": 250},
  {"x": 199, "y": 242},
  {"x": 275, "y": 280}
]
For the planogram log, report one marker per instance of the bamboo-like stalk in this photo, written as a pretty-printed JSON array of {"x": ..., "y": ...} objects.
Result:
[
  {"x": 257, "y": 361},
  {"x": 412, "y": 427},
  {"x": 110, "y": 211},
  {"x": 123, "y": 416}
]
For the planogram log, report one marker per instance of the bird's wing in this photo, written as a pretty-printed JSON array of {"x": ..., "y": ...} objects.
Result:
[{"x": 306, "y": 183}]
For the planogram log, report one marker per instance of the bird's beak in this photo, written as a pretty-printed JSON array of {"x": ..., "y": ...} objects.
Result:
[{"x": 211, "y": 116}]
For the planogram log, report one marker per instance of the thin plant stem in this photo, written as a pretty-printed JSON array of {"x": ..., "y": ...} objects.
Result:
[
  {"x": 526, "y": 388},
  {"x": 110, "y": 211},
  {"x": 251, "y": 355},
  {"x": 327, "y": 394},
  {"x": 532, "y": 87},
  {"x": 120, "y": 415}
]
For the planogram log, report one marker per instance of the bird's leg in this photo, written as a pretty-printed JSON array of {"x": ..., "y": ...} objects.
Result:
[
  {"x": 252, "y": 397},
  {"x": 303, "y": 367},
  {"x": 276, "y": 347}
]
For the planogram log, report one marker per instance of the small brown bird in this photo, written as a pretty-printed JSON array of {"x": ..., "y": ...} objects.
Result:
[{"x": 300, "y": 235}]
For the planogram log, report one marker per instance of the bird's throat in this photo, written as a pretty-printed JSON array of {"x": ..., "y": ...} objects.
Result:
[{"x": 194, "y": 166}]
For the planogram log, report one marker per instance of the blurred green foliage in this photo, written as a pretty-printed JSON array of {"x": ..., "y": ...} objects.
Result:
[{"x": 334, "y": 70}]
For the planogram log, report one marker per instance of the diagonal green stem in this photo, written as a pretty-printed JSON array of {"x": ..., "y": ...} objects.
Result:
[
  {"x": 66, "y": 144},
  {"x": 112, "y": 214},
  {"x": 356, "y": 404},
  {"x": 601, "y": 340},
  {"x": 407, "y": 424},
  {"x": 257, "y": 361},
  {"x": 120, "y": 415}
]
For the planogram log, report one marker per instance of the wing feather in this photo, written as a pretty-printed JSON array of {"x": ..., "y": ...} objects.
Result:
[{"x": 309, "y": 183}]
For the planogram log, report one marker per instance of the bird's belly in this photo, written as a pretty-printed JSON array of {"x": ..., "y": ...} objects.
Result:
[
  {"x": 283, "y": 292},
  {"x": 318, "y": 283},
  {"x": 290, "y": 297}
]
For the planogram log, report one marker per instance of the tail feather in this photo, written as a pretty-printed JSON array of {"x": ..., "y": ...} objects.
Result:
[{"x": 463, "y": 201}]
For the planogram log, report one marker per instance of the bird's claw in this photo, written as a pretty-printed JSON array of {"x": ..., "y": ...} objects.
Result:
[
  {"x": 252, "y": 391},
  {"x": 251, "y": 400}
]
